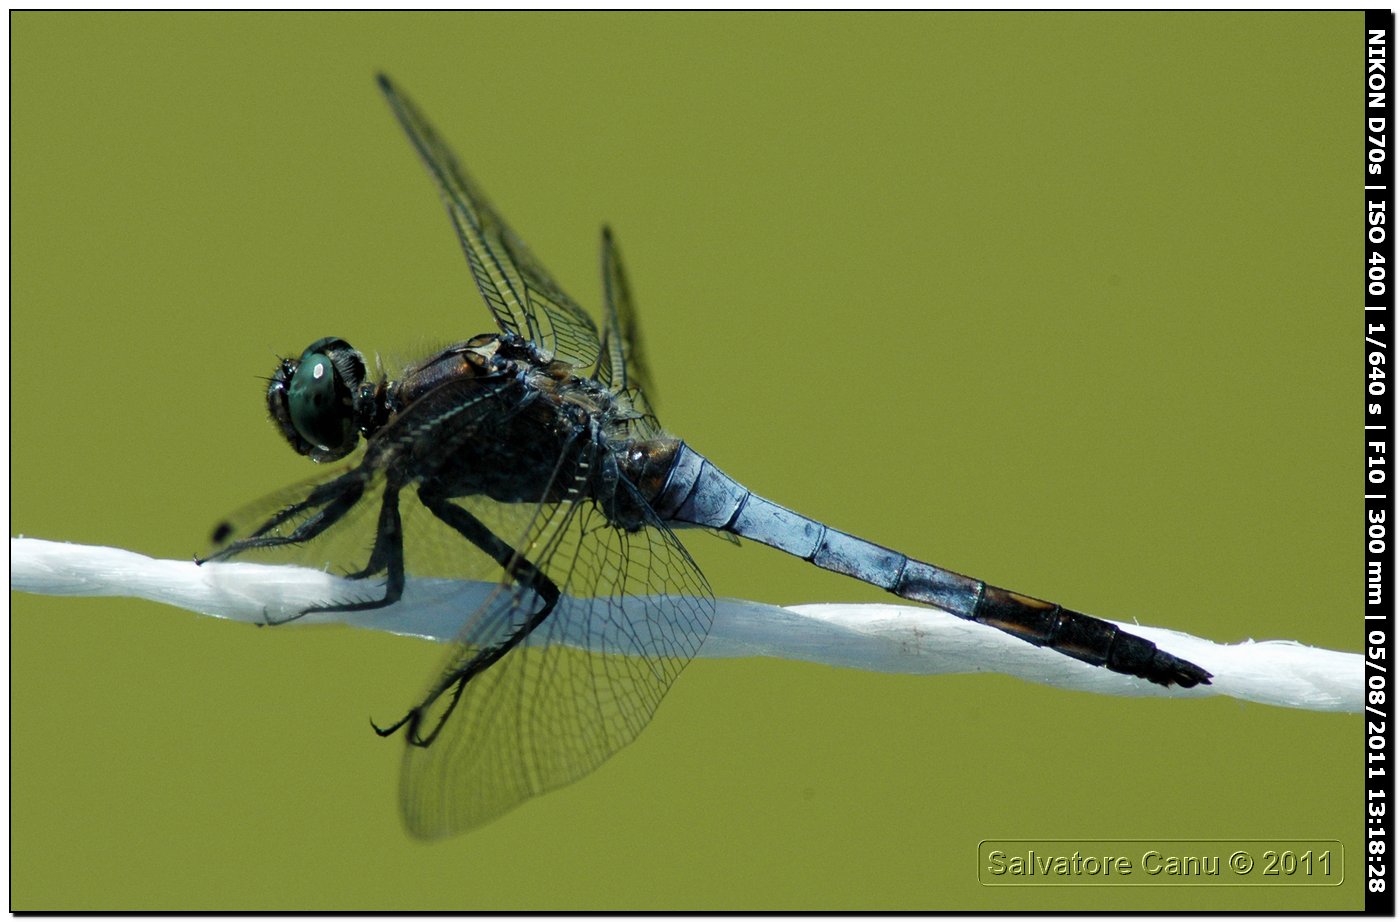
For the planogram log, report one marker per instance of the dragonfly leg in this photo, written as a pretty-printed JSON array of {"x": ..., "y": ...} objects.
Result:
[
  {"x": 526, "y": 576},
  {"x": 336, "y": 499},
  {"x": 388, "y": 544},
  {"x": 387, "y": 556}
]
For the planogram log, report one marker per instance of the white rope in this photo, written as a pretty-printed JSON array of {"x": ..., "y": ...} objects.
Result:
[{"x": 879, "y": 638}]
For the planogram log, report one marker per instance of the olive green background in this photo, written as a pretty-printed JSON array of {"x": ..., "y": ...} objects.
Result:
[{"x": 1065, "y": 301}]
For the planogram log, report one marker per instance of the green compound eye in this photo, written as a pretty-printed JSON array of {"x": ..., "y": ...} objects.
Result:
[{"x": 317, "y": 409}]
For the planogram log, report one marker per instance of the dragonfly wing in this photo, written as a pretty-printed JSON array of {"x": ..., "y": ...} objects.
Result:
[
  {"x": 633, "y": 610},
  {"x": 621, "y": 361},
  {"x": 520, "y": 293}
]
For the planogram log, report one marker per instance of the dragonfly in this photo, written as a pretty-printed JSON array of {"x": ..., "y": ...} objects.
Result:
[{"x": 530, "y": 459}]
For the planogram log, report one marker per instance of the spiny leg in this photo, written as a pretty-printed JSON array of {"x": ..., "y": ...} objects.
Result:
[
  {"x": 336, "y": 503},
  {"x": 388, "y": 542},
  {"x": 522, "y": 571},
  {"x": 386, "y": 556}
]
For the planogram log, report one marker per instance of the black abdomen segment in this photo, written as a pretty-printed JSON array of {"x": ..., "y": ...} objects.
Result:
[{"x": 699, "y": 493}]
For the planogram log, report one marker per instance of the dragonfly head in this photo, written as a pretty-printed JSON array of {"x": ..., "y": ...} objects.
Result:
[{"x": 314, "y": 400}]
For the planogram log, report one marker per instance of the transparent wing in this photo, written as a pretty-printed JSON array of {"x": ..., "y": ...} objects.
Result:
[
  {"x": 520, "y": 293},
  {"x": 621, "y": 361},
  {"x": 633, "y": 609}
]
